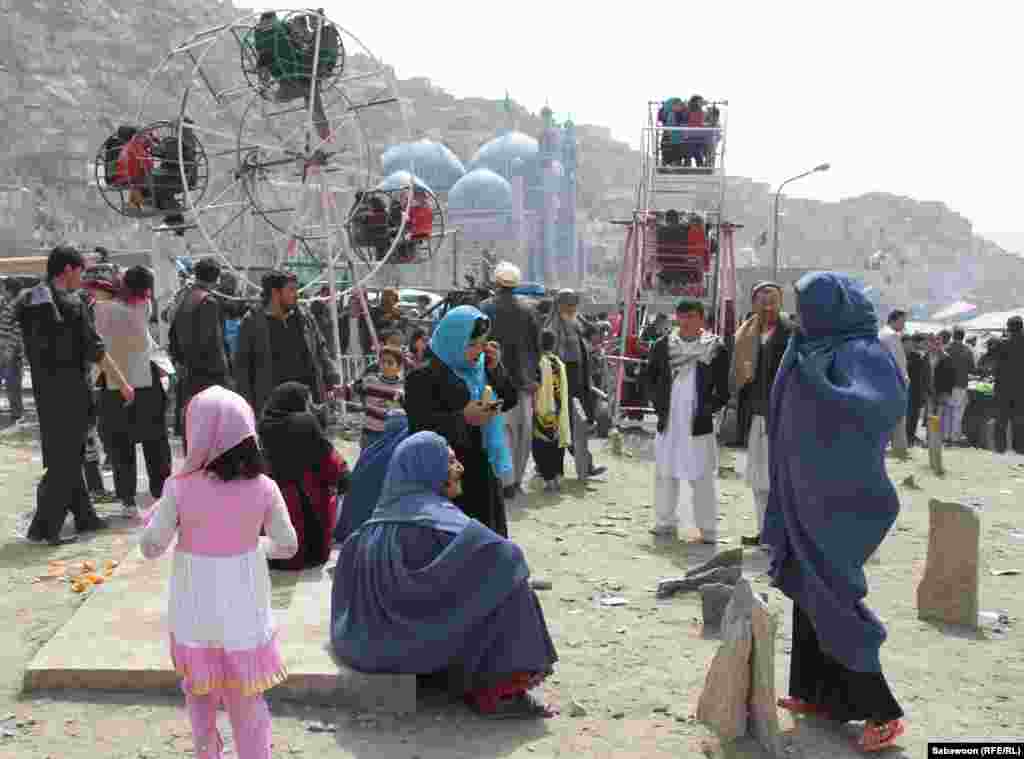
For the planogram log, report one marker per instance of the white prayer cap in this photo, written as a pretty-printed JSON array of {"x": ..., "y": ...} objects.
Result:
[{"x": 507, "y": 275}]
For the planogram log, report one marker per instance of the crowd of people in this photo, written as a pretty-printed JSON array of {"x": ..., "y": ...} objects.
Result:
[{"x": 428, "y": 581}]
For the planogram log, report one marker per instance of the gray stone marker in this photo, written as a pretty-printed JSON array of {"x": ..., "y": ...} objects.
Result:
[
  {"x": 763, "y": 723},
  {"x": 714, "y": 598},
  {"x": 949, "y": 589},
  {"x": 739, "y": 693},
  {"x": 722, "y": 575},
  {"x": 723, "y": 704},
  {"x": 729, "y": 558}
]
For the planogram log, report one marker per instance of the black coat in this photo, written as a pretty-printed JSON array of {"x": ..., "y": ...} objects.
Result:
[
  {"x": 434, "y": 400},
  {"x": 515, "y": 328},
  {"x": 254, "y": 362},
  {"x": 712, "y": 387},
  {"x": 920, "y": 371},
  {"x": 1009, "y": 368},
  {"x": 769, "y": 358},
  {"x": 196, "y": 341}
]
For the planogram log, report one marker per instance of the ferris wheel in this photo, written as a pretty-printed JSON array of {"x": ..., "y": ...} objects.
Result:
[{"x": 251, "y": 137}]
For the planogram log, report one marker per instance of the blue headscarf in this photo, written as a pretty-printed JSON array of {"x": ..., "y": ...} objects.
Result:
[
  {"x": 672, "y": 119},
  {"x": 836, "y": 398},
  {"x": 368, "y": 477},
  {"x": 412, "y": 490},
  {"x": 449, "y": 343}
]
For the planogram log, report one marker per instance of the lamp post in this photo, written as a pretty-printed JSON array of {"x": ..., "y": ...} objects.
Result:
[{"x": 775, "y": 220}]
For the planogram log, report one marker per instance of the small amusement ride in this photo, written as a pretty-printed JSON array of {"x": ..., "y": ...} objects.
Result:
[
  {"x": 250, "y": 139},
  {"x": 678, "y": 241}
]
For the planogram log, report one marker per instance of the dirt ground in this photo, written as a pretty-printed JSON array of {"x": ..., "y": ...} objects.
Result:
[{"x": 633, "y": 673}]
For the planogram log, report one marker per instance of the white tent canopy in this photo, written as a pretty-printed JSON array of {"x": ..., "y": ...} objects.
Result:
[
  {"x": 957, "y": 310},
  {"x": 993, "y": 322}
]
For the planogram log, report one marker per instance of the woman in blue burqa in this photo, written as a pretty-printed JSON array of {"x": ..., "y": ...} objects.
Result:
[
  {"x": 836, "y": 397},
  {"x": 423, "y": 589},
  {"x": 449, "y": 396}
]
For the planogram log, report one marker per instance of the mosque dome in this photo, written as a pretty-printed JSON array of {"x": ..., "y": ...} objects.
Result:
[
  {"x": 498, "y": 154},
  {"x": 481, "y": 190},
  {"x": 432, "y": 161},
  {"x": 399, "y": 179}
]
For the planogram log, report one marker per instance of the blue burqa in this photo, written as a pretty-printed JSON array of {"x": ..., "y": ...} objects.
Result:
[
  {"x": 837, "y": 396},
  {"x": 367, "y": 479},
  {"x": 449, "y": 343},
  {"x": 422, "y": 588}
]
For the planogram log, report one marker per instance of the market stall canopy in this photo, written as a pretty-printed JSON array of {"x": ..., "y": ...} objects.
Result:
[
  {"x": 993, "y": 322},
  {"x": 958, "y": 310},
  {"x": 927, "y": 328}
]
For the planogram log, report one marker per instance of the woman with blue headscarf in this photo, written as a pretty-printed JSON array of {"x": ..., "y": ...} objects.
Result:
[
  {"x": 423, "y": 589},
  {"x": 837, "y": 395},
  {"x": 460, "y": 394}
]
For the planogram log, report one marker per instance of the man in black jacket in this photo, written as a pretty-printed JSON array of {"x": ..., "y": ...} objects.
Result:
[
  {"x": 688, "y": 375},
  {"x": 196, "y": 340},
  {"x": 1009, "y": 364},
  {"x": 282, "y": 343},
  {"x": 60, "y": 343},
  {"x": 514, "y": 326}
]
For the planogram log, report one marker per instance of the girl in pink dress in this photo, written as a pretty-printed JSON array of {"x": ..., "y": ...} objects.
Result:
[{"x": 223, "y": 638}]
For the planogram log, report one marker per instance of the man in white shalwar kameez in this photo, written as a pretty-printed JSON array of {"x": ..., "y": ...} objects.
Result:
[{"x": 688, "y": 375}]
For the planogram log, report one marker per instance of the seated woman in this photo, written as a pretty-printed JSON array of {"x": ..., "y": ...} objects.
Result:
[
  {"x": 447, "y": 397},
  {"x": 307, "y": 469},
  {"x": 423, "y": 589}
]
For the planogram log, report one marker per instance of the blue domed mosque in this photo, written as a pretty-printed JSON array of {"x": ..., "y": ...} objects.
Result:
[{"x": 516, "y": 201}]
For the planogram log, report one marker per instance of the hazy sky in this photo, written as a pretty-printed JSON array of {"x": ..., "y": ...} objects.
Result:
[{"x": 905, "y": 96}]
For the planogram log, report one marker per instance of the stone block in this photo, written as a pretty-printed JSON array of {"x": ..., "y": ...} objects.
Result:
[
  {"x": 763, "y": 721},
  {"x": 948, "y": 592},
  {"x": 714, "y": 598},
  {"x": 722, "y": 575},
  {"x": 723, "y": 704},
  {"x": 739, "y": 693},
  {"x": 729, "y": 558}
]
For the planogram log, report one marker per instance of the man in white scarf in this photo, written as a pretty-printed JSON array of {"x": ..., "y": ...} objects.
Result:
[{"x": 688, "y": 374}]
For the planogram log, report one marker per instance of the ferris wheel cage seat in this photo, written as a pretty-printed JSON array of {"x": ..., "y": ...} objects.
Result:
[
  {"x": 280, "y": 50},
  {"x": 138, "y": 173},
  {"x": 376, "y": 216}
]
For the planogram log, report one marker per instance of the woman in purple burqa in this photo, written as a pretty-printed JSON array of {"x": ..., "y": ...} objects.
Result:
[
  {"x": 421, "y": 588},
  {"x": 836, "y": 397}
]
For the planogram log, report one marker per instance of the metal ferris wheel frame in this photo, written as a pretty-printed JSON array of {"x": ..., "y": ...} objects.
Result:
[
  {"x": 231, "y": 196},
  {"x": 199, "y": 89}
]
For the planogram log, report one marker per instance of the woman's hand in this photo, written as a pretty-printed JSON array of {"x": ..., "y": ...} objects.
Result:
[
  {"x": 493, "y": 352},
  {"x": 478, "y": 413}
]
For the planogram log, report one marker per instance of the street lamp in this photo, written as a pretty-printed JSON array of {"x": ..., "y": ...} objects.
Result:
[{"x": 775, "y": 224}]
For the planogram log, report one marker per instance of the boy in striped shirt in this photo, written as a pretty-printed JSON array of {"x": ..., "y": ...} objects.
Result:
[{"x": 381, "y": 389}]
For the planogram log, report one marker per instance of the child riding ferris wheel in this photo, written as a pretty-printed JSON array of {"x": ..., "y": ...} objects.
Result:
[
  {"x": 678, "y": 242},
  {"x": 254, "y": 131}
]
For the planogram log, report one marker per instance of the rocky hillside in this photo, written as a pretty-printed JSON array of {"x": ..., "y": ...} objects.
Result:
[{"x": 71, "y": 70}]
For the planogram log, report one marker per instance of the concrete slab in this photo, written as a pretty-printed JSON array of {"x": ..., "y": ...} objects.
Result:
[{"x": 118, "y": 640}]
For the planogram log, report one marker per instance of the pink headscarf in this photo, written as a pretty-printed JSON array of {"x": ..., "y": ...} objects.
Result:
[{"x": 216, "y": 420}]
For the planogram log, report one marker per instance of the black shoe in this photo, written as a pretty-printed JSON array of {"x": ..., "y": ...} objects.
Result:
[
  {"x": 597, "y": 471},
  {"x": 98, "y": 525},
  {"x": 510, "y": 492},
  {"x": 751, "y": 541}
]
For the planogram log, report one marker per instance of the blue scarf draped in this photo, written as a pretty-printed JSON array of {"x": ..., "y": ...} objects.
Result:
[
  {"x": 672, "y": 119},
  {"x": 836, "y": 398},
  {"x": 449, "y": 343},
  {"x": 368, "y": 477},
  {"x": 388, "y": 617}
]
